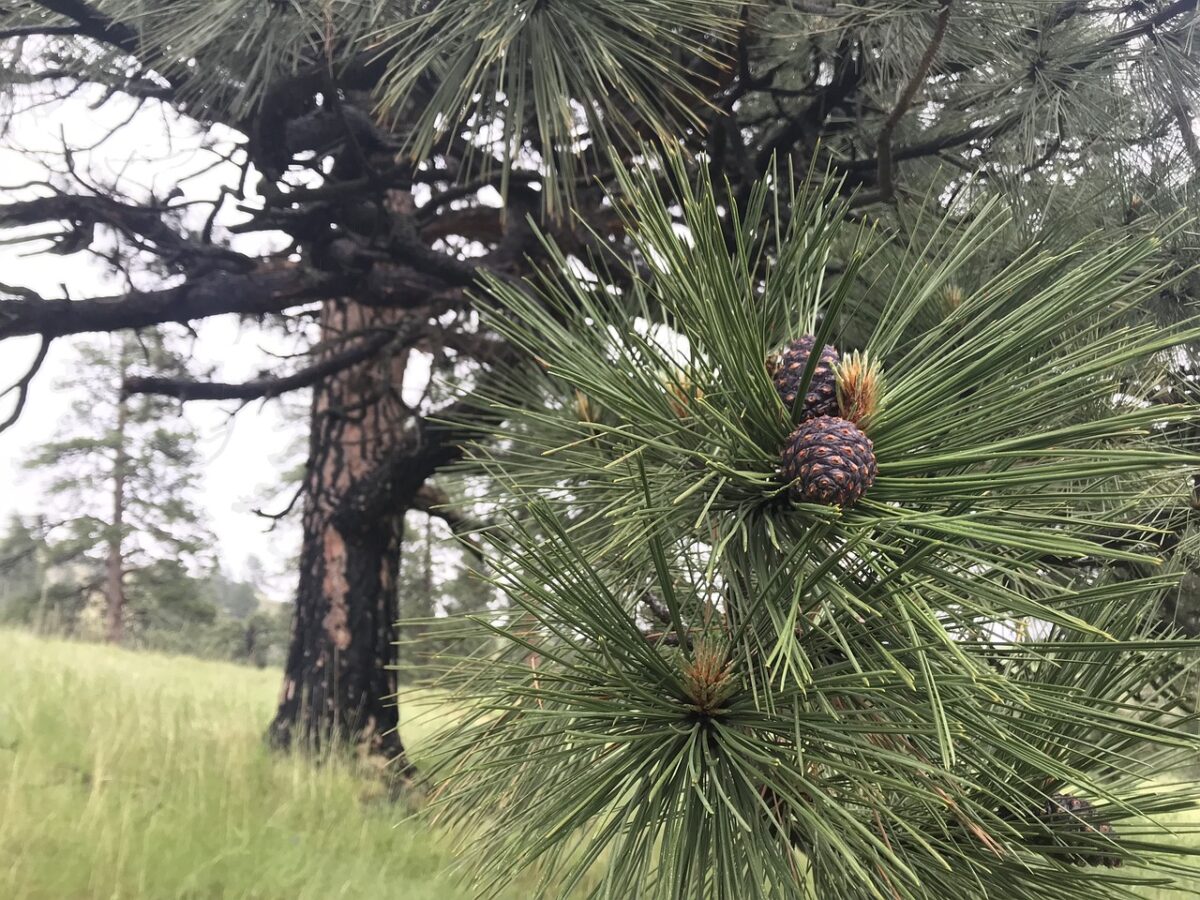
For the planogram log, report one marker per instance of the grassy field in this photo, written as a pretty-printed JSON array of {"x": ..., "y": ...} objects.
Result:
[{"x": 137, "y": 775}]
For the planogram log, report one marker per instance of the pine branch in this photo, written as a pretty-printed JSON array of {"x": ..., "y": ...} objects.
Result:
[
  {"x": 39, "y": 31},
  {"x": 264, "y": 291},
  {"x": 806, "y": 125},
  {"x": 95, "y": 24},
  {"x": 82, "y": 213},
  {"x": 185, "y": 389},
  {"x": 21, "y": 385},
  {"x": 887, "y": 186},
  {"x": 814, "y": 8},
  {"x": 936, "y": 145}
]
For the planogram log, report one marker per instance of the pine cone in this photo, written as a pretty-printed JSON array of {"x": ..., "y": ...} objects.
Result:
[
  {"x": 820, "y": 397},
  {"x": 1068, "y": 814},
  {"x": 681, "y": 393},
  {"x": 829, "y": 460}
]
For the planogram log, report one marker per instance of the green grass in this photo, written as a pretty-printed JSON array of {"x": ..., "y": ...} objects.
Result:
[{"x": 139, "y": 775}]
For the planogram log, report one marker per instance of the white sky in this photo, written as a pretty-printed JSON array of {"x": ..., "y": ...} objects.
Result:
[{"x": 241, "y": 454}]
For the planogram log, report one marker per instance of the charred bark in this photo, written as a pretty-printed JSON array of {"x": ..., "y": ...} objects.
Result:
[{"x": 339, "y": 685}]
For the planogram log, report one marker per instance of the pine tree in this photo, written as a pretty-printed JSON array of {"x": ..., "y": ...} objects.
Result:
[
  {"x": 165, "y": 599},
  {"x": 715, "y": 686},
  {"x": 22, "y": 571},
  {"x": 121, "y": 480},
  {"x": 384, "y": 154},
  {"x": 440, "y": 583}
]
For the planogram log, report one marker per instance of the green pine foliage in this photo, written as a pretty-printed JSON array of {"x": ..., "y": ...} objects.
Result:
[
  {"x": 1026, "y": 96},
  {"x": 705, "y": 689},
  {"x": 142, "y": 439}
]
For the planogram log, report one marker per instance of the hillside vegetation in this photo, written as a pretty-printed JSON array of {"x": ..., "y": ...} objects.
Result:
[{"x": 141, "y": 775}]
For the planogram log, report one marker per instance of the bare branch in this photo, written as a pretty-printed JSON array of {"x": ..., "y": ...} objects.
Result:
[
  {"x": 656, "y": 605},
  {"x": 21, "y": 386},
  {"x": 887, "y": 186},
  {"x": 285, "y": 512},
  {"x": 433, "y": 501},
  {"x": 264, "y": 388},
  {"x": 935, "y": 145},
  {"x": 807, "y": 124},
  {"x": 264, "y": 291},
  {"x": 83, "y": 213}
]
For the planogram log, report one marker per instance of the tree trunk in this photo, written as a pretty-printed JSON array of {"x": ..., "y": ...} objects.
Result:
[
  {"x": 338, "y": 685},
  {"x": 114, "y": 568}
]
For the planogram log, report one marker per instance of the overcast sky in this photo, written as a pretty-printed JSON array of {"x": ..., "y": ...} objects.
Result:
[{"x": 242, "y": 453}]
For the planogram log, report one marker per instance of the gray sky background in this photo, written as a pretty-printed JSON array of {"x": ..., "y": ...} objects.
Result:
[{"x": 241, "y": 454}]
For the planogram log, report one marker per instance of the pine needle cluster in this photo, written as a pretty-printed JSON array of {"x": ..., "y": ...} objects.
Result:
[{"x": 706, "y": 688}]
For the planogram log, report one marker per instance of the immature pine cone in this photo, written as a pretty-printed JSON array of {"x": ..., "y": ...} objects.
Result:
[
  {"x": 820, "y": 397},
  {"x": 829, "y": 460},
  {"x": 1074, "y": 814}
]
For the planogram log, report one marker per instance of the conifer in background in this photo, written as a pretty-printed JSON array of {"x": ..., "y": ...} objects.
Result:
[{"x": 121, "y": 483}]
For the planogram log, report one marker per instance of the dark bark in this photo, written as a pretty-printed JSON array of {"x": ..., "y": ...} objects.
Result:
[
  {"x": 266, "y": 291},
  {"x": 339, "y": 685},
  {"x": 114, "y": 567},
  {"x": 95, "y": 24}
]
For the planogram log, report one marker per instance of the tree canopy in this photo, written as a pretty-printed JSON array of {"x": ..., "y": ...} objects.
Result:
[{"x": 360, "y": 170}]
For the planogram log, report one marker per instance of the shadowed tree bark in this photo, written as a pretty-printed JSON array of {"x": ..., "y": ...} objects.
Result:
[{"x": 337, "y": 678}]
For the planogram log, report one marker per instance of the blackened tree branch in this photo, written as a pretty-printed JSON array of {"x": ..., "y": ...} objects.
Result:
[
  {"x": 95, "y": 24},
  {"x": 261, "y": 388},
  {"x": 269, "y": 289},
  {"x": 887, "y": 180},
  {"x": 255, "y": 293},
  {"x": 82, "y": 213},
  {"x": 433, "y": 501},
  {"x": 809, "y": 122},
  {"x": 656, "y": 606},
  {"x": 936, "y": 145},
  {"x": 21, "y": 386}
]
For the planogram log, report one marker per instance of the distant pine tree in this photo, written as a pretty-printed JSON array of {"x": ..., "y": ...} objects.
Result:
[{"x": 122, "y": 478}]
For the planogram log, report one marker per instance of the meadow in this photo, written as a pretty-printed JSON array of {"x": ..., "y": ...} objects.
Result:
[
  {"x": 127, "y": 775},
  {"x": 140, "y": 775}
]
